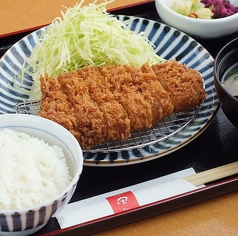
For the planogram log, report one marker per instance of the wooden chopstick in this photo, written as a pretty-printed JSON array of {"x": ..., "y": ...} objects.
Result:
[{"x": 213, "y": 174}]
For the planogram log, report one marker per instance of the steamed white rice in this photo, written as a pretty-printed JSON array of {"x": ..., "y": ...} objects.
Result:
[{"x": 31, "y": 171}]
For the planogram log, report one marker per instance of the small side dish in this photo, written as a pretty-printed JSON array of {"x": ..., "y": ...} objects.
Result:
[
  {"x": 204, "y": 9},
  {"x": 208, "y": 18}
]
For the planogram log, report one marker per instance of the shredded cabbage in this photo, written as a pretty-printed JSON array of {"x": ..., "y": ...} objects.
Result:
[{"x": 87, "y": 36}]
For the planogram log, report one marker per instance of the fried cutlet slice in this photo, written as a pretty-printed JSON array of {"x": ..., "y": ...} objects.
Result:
[
  {"x": 152, "y": 91},
  {"x": 121, "y": 84},
  {"x": 116, "y": 118},
  {"x": 185, "y": 85},
  {"x": 90, "y": 120},
  {"x": 54, "y": 105}
]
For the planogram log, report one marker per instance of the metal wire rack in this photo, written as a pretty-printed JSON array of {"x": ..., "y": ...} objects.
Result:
[{"x": 167, "y": 127}]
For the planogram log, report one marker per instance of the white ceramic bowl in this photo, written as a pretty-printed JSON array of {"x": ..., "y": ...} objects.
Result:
[
  {"x": 199, "y": 28},
  {"x": 27, "y": 221}
]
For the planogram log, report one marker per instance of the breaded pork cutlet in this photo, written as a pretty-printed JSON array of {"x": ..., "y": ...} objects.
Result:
[
  {"x": 54, "y": 105},
  {"x": 128, "y": 95},
  {"x": 115, "y": 116},
  {"x": 185, "y": 85},
  {"x": 107, "y": 103},
  {"x": 146, "y": 82},
  {"x": 90, "y": 120}
]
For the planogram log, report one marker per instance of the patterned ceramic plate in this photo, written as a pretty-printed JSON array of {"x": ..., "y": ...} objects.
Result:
[{"x": 170, "y": 44}]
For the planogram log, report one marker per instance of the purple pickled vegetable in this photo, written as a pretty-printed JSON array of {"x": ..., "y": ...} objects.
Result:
[{"x": 220, "y": 8}]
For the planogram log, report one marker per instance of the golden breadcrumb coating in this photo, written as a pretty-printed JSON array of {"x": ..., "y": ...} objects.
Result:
[
  {"x": 115, "y": 117},
  {"x": 54, "y": 105},
  {"x": 90, "y": 119},
  {"x": 185, "y": 85},
  {"x": 107, "y": 103}
]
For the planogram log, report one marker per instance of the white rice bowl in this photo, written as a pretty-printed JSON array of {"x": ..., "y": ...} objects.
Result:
[
  {"x": 39, "y": 172},
  {"x": 32, "y": 172}
]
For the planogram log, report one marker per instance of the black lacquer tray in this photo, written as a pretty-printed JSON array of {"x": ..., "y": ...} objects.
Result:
[{"x": 216, "y": 146}]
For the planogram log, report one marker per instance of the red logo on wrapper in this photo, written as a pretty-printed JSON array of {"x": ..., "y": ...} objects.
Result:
[{"x": 123, "y": 202}]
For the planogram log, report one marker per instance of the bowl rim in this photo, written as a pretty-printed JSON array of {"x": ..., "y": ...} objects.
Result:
[
  {"x": 194, "y": 20},
  {"x": 73, "y": 181}
]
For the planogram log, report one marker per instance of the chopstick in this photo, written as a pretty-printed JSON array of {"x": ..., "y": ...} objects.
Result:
[{"x": 213, "y": 174}]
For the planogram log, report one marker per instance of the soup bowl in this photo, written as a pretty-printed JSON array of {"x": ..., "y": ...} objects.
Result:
[{"x": 225, "y": 63}]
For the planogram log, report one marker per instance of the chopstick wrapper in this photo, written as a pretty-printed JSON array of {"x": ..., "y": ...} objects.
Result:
[{"x": 126, "y": 198}]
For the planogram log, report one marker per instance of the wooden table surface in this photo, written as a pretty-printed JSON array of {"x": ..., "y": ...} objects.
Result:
[
  {"x": 20, "y": 15},
  {"x": 217, "y": 216}
]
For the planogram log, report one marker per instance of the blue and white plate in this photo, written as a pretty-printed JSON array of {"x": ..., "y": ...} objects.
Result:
[{"x": 170, "y": 44}]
